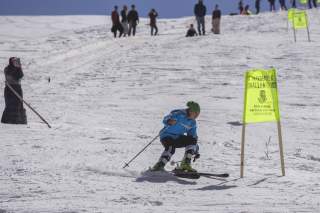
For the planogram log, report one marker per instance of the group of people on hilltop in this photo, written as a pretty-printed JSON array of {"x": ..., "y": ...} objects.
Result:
[
  {"x": 200, "y": 11},
  {"x": 129, "y": 20},
  {"x": 245, "y": 10},
  {"x": 128, "y": 23}
]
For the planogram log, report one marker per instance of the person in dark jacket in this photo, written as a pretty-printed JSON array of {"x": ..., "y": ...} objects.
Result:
[
  {"x": 14, "y": 112},
  {"x": 216, "y": 17},
  {"x": 153, "y": 21},
  {"x": 133, "y": 19},
  {"x": 283, "y": 4},
  {"x": 191, "y": 31},
  {"x": 200, "y": 11},
  {"x": 272, "y": 5},
  {"x": 124, "y": 20},
  {"x": 257, "y": 6},
  {"x": 116, "y": 25}
]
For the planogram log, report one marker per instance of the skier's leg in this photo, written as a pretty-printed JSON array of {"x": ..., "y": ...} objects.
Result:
[
  {"x": 191, "y": 148},
  {"x": 151, "y": 30},
  {"x": 166, "y": 155}
]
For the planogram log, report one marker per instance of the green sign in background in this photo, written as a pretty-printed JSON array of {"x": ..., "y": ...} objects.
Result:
[{"x": 261, "y": 97}]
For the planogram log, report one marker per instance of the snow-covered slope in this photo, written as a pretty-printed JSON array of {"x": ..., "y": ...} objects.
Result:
[{"x": 106, "y": 100}]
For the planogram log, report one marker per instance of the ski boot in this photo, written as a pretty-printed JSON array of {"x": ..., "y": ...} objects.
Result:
[
  {"x": 186, "y": 167},
  {"x": 159, "y": 166}
]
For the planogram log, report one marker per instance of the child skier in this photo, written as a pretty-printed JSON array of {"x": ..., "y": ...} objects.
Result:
[{"x": 180, "y": 130}]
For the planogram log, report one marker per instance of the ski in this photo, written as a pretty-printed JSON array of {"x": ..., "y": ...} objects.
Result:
[
  {"x": 183, "y": 174},
  {"x": 221, "y": 175},
  {"x": 197, "y": 175}
]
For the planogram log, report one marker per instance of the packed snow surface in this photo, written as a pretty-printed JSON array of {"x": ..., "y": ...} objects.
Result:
[{"x": 106, "y": 99}]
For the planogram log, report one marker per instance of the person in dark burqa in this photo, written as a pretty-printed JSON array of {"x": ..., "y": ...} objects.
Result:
[{"x": 14, "y": 112}]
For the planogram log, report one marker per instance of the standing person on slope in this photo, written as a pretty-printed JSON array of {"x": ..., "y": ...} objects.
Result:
[
  {"x": 216, "y": 17},
  {"x": 180, "y": 131},
  {"x": 116, "y": 25},
  {"x": 153, "y": 21},
  {"x": 133, "y": 19},
  {"x": 124, "y": 20},
  {"x": 200, "y": 11},
  {"x": 14, "y": 112}
]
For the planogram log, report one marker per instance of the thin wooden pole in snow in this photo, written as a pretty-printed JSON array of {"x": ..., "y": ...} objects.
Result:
[
  {"x": 294, "y": 29},
  {"x": 243, "y": 137},
  {"x": 307, "y": 27},
  {"x": 281, "y": 148}
]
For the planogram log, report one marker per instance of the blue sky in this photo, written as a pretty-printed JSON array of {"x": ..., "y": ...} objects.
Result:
[{"x": 166, "y": 8}]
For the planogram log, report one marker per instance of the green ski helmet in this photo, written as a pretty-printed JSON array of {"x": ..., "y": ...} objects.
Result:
[{"x": 193, "y": 106}]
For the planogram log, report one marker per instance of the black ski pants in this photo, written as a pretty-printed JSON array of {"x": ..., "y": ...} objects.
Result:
[{"x": 171, "y": 144}]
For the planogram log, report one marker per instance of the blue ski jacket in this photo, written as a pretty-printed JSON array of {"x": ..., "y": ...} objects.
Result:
[{"x": 184, "y": 125}]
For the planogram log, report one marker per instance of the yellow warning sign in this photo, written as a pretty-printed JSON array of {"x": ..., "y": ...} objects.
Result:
[
  {"x": 300, "y": 20},
  {"x": 261, "y": 97}
]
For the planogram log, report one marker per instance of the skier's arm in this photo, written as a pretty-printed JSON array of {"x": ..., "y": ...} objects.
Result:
[{"x": 170, "y": 119}]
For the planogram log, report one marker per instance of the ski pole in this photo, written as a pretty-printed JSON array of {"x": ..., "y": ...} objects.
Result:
[
  {"x": 21, "y": 99},
  {"x": 144, "y": 148},
  {"x": 127, "y": 164}
]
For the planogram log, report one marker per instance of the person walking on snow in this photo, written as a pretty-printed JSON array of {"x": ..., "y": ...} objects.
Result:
[
  {"x": 180, "y": 131},
  {"x": 200, "y": 11},
  {"x": 153, "y": 22},
  {"x": 133, "y": 19},
  {"x": 116, "y": 25},
  {"x": 124, "y": 20},
  {"x": 216, "y": 17}
]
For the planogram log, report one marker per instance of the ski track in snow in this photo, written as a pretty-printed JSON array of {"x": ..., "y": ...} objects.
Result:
[{"x": 106, "y": 99}]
